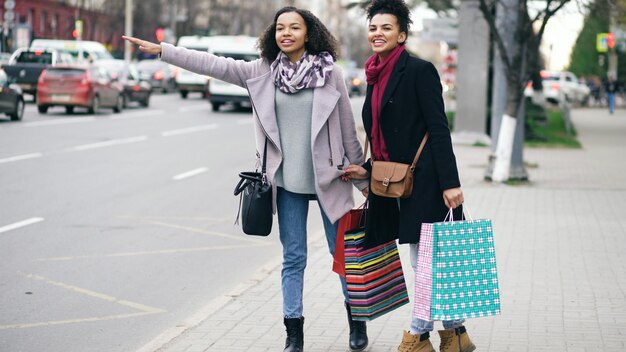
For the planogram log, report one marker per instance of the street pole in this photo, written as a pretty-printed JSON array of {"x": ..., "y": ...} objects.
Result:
[
  {"x": 128, "y": 29},
  {"x": 612, "y": 54},
  {"x": 173, "y": 14}
]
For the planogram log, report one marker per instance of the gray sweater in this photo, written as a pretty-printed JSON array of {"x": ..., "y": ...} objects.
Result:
[{"x": 293, "y": 115}]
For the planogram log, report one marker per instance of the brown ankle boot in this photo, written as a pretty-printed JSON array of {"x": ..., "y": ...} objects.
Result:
[
  {"x": 455, "y": 340},
  {"x": 416, "y": 343}
]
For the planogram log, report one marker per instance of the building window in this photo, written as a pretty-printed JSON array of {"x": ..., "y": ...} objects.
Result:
[
  {"x": 42, "y": 22},
  {"x": 31, "y": 17}
]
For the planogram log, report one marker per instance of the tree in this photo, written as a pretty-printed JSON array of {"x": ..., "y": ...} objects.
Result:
[
  {"x": 585, "y": 60},
  {"x": 517, "y": 60}
]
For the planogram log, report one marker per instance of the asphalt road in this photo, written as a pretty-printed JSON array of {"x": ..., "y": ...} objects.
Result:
[{"x": 117, "y": 227}]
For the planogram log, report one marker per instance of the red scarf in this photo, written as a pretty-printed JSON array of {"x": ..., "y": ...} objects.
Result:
[{"x": 378, "y": 74}]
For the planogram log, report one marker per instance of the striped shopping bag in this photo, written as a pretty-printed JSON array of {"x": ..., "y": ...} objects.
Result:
[
  {"x": 457, "y": 275},
  {"x": 374, "y": 277}
]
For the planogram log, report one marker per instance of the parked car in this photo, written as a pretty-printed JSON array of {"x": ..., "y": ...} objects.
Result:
[
  {"x": 26, "y": 65},
  {"x": 11, "y": 98},
  {"x": 135, "y": 90},
  {"x": 558, "y": 85},
  {"x": 71, "y": 86},
  {"x": 4, "y": 59},
  {"x": 158, "y": 73},
  {"x": 90, "y": 50},
  {"x": 238, "y": 48},
  {"x": 356, "y": 82}
]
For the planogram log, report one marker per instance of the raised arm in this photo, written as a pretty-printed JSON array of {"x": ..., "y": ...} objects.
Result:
[{"x": 225, "y": 69}]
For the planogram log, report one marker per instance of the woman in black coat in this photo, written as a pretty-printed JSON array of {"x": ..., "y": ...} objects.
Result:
[{"x": 403, "y": 103}]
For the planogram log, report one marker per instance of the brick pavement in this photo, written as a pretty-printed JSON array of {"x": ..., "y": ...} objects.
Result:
[{"x": 559, "y": 242}]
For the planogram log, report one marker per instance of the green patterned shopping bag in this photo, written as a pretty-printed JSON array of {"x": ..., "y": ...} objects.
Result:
[{"x": 463, "y": 282}]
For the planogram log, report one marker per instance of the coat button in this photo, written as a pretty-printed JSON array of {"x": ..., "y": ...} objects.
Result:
[{"x": 391, "y": 101}]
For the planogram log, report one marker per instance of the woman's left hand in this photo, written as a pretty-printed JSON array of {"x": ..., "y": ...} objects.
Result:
[{"x": 453, "y": 197}]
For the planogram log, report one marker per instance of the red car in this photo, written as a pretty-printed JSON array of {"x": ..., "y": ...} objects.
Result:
[{"x": 79, "y": 86}]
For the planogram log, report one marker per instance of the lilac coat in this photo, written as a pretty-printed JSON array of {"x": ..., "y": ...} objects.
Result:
[{"x": 334, "y": 142}]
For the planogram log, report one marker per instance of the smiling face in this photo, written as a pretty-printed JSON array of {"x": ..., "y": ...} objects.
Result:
[
  {"x": 384, "y": 34},
  {"x": 291, "y": 35}
]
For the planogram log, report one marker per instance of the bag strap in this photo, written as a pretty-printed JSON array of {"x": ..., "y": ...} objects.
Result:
[
  {"x": 417, "y": 155},
  {"x": 419, "y": 151},
  {"x": 264, "y": 165}
]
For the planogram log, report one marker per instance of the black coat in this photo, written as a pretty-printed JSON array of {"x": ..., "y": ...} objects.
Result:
[{"x": 412, "y": 104}]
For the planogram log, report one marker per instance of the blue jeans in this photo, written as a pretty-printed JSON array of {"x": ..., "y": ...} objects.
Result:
[
  {"x": 419, "y": 326},
  {"x": 293, "y": 209},
  {"x": 610, "y": 97}
]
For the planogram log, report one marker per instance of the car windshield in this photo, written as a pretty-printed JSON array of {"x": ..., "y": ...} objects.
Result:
[
  {"x": 35, "y": 57},
  {"x": 244, "y": 57},
  {"x": 64, "y": 72}
]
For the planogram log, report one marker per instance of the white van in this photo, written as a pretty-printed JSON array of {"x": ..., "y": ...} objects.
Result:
[
  {"x": 238, "y": 48},
  {"x": 187, "y": 81},
  {"x": 89, "y": 49}
]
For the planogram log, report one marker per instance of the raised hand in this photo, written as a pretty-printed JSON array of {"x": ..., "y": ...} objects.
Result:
[{"x": 144, "y": 45}]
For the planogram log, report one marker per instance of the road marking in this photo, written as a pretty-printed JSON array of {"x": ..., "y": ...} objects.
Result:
[
  {"x": 246, "y": 121},
  {"x": 189, "y": 130},
  {"x": 21, "y": 157},
  {"x": 111, "y": 143},
  {"x": 206, "y": 232},
  {"x": 144, "y": 309},
  {"x": 20, "y": 224},
  {"x": 136, "y": 114},
  {"x": 159, "y": 252},
  {"x": 191, "y": 173},
  {"x": 195, "y": 107},
  {"x": 63, "y": 121}
]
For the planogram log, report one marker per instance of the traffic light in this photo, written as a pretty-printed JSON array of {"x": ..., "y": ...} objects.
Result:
[
  {"x": 610, "y": 40},
  {"x": 160, "y": 34}
]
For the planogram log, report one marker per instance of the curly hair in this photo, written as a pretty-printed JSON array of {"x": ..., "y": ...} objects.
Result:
[
  {"x": 397, "y": 8},
  {"x": 320, "y": 39}
]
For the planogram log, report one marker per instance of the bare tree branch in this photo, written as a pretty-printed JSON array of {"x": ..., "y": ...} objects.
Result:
[{"x": 491, "y": 22}]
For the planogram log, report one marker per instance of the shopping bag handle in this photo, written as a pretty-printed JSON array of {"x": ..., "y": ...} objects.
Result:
[{"x": 450, "y": 215}]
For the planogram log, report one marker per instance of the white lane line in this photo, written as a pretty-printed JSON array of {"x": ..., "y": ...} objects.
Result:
[
  {"x": 59, "y": 122},
  {"x": 191, "y": 173},
  {"x": 195, "y": 107},
  {"x": 247, "y": 121},
  {"x": 21, "y": 157},
  {"x": 111, "y": 143},
  {"x": 20, "y": 224},
  {"x": 136, "y": 114},
  {"x": 189, "y": 130}
]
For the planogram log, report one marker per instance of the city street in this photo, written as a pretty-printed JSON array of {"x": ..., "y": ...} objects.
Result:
[{"x": 115, "y": 227}]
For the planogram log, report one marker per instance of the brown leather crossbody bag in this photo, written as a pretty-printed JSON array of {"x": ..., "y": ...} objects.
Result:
[{"x": 391, "y": 179}]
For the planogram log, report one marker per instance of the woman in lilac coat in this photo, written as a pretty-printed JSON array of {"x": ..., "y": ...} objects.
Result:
[{"x": 301, "y": 107}]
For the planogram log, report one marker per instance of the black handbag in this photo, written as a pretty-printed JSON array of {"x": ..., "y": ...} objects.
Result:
[{"x": 255, "y": 202}]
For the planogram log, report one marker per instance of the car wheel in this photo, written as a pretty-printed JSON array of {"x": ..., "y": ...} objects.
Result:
[
  {"x": 19, "y": 111},
  {"x": 69, "y": 109},
  {"x": 95, "y": 105},
  {"x": 216, "y": 106},
  {"x": 42, "y": 109},
  {"x": 119, "y": 105},
  {"x": 145, "y": 102},
  {"x": 184, "y": 93}
]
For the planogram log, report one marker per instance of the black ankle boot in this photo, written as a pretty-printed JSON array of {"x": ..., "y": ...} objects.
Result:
[
  {"x": 358, "y": 332},
  {"x": 295, "y": 334}
]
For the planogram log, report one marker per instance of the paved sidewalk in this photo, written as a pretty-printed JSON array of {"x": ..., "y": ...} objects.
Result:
[{"x": 559, "y": 244}]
